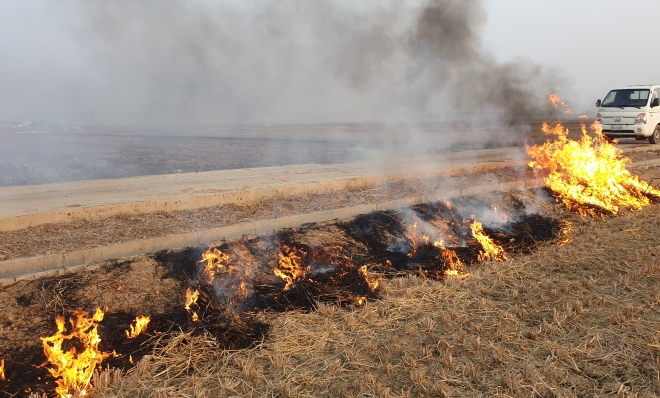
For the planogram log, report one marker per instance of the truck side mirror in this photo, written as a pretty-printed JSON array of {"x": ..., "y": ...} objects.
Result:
[
  {"x": 655, "y": 102},
  {"x": 597, "y": 103}
]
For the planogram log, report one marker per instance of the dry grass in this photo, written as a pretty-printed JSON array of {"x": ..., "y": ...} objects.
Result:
[{"x": 580, "y": 319}]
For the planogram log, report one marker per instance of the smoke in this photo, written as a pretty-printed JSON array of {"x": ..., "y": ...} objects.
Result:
[
  {"x": 174, "y": 61},
  {"x": 517, "y": 90}
]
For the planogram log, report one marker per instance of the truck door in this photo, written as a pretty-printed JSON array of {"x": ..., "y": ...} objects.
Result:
[{"x": 654, "y": 113}]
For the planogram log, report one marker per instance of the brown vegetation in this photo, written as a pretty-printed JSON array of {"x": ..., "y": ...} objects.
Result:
[{"x": 579, "y": 319}]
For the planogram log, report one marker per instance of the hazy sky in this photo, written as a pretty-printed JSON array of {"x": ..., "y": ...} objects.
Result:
[
  {"x": 598, "y": 43},
  {"x": 56, "y": 57}
]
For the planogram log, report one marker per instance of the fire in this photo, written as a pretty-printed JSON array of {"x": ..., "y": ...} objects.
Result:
[
  {"x": 583, "y": 117},
  {"x": 556, "y": 102},
  {"x": 589, "y": 173},
  {"x": 491, "y": 251},
  {"x": 72, "y": 369},
  {"x": 291, "y": 268},
  {"x": 191, "y": 299},
  {"x": 215, "y": 262},
  {"x": 415, "y": 240},
  {"x": 2, "y": 370},
  {"x": 454, "y": 267},
  {"x": 141, "y": 323},
  {"x": 372, "y": 280},
  {"x": 421, "y": 233}
]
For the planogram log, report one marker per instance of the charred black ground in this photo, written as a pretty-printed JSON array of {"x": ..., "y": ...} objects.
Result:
[{"x": 345, "y": 259}]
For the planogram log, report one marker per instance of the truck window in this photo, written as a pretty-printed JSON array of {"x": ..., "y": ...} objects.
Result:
[{"x": 626, "y": 97}]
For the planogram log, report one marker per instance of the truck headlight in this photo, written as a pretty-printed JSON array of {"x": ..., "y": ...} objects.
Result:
[
  {"x": 640, "y": 119},
  {"x": 599, "y": 118}
]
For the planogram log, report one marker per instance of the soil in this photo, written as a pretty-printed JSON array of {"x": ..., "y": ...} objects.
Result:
[{"x": 641, "y": 156}]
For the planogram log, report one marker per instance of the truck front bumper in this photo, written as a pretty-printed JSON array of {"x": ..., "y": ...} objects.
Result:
[{"x": 628, "y": 130}]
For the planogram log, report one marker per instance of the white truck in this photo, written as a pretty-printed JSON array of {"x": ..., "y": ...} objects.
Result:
[{"x": 632, "y": 111}]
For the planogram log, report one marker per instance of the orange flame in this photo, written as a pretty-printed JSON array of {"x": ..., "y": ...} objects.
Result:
[
  {"x": 424, "y": 235},
  {"x": 588, "y": 173},
  {"x": 291, "y": 268},
  {"x": 141, "y": 323},
  {"x": 491, "y": 251},
  {"x": 411, "y": 234},
  {"x": 372, "y": 280},
  {"x": 583, "y": 117},
  {"x": 215, "y": 262},
  {"x": 191, "y": 299},
  {"x": 73, "y": 370},
  {"x": 454, "y": 267},
  {"x": 556, "y": 101},
  {"x": 2, "y": 370}
]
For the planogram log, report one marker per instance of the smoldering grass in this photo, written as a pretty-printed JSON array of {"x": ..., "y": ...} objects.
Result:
[{"x": 490, "y": 334}]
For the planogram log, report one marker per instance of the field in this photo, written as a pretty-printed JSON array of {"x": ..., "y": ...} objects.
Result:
[
  {"x": 67, "y": 156},
  {"x": 572, "y": 311},
  {"x": 579, "y": 319}
]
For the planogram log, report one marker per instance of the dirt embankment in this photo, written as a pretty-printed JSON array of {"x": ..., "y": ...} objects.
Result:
[{"x": 66, "y": 237}]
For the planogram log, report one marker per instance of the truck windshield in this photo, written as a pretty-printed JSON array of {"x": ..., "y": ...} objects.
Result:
[{"x": 626, "y": 97}]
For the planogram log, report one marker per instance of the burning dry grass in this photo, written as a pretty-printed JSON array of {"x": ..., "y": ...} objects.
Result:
[
  {"x": 571, "y": 320},
  {"x": 503, "y": 330},
  {"x": 589, "y": 174}
]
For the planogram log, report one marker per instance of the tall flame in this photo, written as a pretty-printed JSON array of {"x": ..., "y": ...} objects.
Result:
[
  {"x": 140, "y": 323},
  {"x": 588, "y": 173},
  {"x": 2, "y": 370},
  {"x": 491, "y": 251},
  {"x": 72, "y": 369},
  {"x": 290, "y": 265},
  {"x": 556, "y": 102}
]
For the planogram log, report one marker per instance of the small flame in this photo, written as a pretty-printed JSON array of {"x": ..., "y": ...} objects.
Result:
[
  {"x": 372, "y": 280},
  {"x": 588, "y": 173},
  {"x": 2, "y": 370},
  {"x": 421, "y": 233},
  {"x": 556, "y": 102},
  {"x": 411, "y": 234},
  {"x": 491, "y": 251},
  {"x": 583, "y": 118},
  {"x": 74, "y": 370},
  {"x": 454, "y": 267},
  {"x": 215, "y": 262},
  {"x": 141, "y": 323},
  {"x": 360, "y": 301},
  {"x": 290, "y": 266},
  {"x": 191, "y": 299},
  {"x": 566, "y": 232}
]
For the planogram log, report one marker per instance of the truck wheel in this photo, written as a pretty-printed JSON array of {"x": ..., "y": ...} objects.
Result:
[{"x": 655, "y": 137}]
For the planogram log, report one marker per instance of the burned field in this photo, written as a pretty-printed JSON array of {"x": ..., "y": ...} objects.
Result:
[
  {"x": 543, "y": 292},
  {"x": 230, "y": 293}
]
